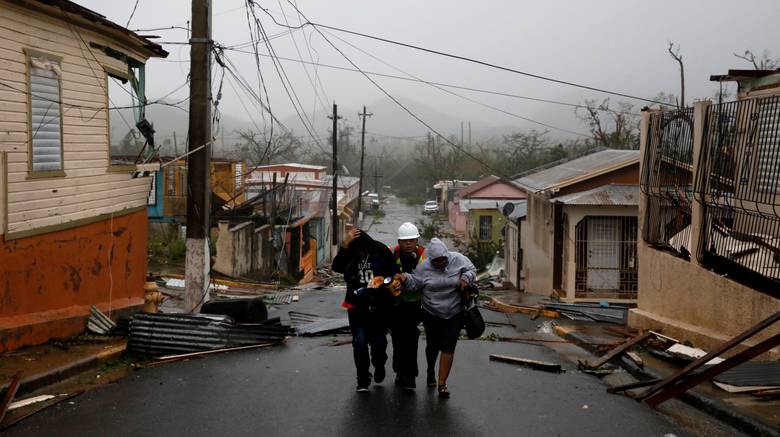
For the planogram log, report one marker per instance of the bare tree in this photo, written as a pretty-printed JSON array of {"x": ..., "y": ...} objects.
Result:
[
  {"x": 764, "y": 61},
  {"x": 675, "y": 54},
  {"x": 259, "y": 149},
  {"x": 616, "y": 128}
]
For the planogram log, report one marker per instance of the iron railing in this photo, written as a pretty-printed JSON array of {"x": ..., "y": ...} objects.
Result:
[
  {"x": 667, "y": 180},
  {"x": 605, "y": 257},
  {"x": 738, "y": 185}
]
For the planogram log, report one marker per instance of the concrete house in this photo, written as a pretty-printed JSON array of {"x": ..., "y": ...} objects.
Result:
[
  {"x": 513, "y": 252},
  {"x": 709, "y": 216},
  {"x": 579, "y": 235},
  {"x": 476, "y": 209},
  {"x": 72, "y": 210}
]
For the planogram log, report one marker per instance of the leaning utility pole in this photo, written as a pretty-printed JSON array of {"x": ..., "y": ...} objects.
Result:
[
  {"x": 362, "y": 115},
  {"x": 198, "y": 167},
  {"x": 334, "y": 196}
]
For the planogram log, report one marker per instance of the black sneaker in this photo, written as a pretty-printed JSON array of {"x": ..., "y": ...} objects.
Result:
[
  {"x": 362, "y": 388},
  {"x": 431, "y": 379},
  {"x": 408, "y": 384},
  {"x": 379, "y": 374}
]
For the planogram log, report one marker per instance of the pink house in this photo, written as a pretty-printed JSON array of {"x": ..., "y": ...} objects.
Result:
[{"x": 488, "y": 188}]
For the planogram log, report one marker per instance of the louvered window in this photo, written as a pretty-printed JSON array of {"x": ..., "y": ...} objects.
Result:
[
  {"x": 45, "y": 115},
  {"x": 768, "y": 144}
]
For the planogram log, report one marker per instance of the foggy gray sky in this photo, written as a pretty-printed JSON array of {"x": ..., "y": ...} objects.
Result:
[{"x": 611, "y": 44}]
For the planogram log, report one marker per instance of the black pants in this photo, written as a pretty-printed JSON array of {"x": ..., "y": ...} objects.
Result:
[
  {"x": 369, "y": 332},
  {"x": 441, "y": 334},
  {"x": 404, "y": 319}
]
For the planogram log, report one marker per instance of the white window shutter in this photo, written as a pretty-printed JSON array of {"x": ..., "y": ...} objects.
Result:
[{"x": 45, "y": 116}]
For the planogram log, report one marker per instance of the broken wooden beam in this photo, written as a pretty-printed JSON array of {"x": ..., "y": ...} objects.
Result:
[
  {"x": 171, "y": 358},
  {"x": 620, "y": 349},
  {"x": 632, "y": 385},
  {"x": 672, "y": 380},
  {"x": 9, "y": 394},
  {"x": 533, "y": 364}
]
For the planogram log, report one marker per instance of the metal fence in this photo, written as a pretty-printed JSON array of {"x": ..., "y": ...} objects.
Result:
[
  {"x": 738, "y": 184},
  {"x": 605, "y": 257},
  {"x": 667, "y": 180}
]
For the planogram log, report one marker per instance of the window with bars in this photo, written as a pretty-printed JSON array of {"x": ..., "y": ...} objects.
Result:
[
  {"x": 45, "y": 114},
  {"x": 605, "y": 257},
  {"x": 485, "y": 227}
]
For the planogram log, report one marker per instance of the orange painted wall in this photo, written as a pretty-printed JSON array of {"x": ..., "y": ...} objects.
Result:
[{"x": 67, "y": 268}]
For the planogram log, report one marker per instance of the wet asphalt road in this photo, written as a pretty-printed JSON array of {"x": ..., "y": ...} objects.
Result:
[{"x": 306, "y": 387}]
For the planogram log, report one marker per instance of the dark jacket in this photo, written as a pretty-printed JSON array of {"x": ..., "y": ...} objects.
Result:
[
  {"x": 407, "y": 264},
  {"x": 358, "y": 271}
]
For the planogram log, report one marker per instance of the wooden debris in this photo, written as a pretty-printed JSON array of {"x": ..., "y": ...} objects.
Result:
[
  {"x": 29, "y": 401},
  {"x": 9, "y": 394},
  {"x": 172, "y": 358},
  {"x": 620, "y": 349},
  {"x": 632, "y": 385},
  {"x": 533, "y": 364},
  {"x": 633, "y": 356}
]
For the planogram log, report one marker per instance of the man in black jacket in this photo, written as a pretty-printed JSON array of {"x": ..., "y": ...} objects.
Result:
[{"x": 360, "y": 258}]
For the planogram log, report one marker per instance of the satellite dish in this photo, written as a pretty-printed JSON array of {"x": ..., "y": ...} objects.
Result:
[{"x": 508, "y": 208}]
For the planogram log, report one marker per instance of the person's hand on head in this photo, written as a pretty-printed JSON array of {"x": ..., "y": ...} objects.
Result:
[{"x": 349, "y": 237}]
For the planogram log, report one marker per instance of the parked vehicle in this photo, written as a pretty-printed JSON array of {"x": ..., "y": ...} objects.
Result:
[{"x": 431, "y": 207}]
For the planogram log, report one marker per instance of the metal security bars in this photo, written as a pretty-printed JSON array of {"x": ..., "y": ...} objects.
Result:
[
  {"x": 667, "y": 180},
  {"x": 738, "y": 185},
  {"x": 605, "y": 257}
]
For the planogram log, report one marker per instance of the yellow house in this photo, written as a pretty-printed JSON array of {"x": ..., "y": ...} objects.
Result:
[{"x": 72, "y": 208}]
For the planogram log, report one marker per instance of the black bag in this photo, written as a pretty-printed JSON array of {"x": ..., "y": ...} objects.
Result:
[{"x": 472, "y": 320}]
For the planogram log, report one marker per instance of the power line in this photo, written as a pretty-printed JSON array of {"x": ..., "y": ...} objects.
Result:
[
  {"x": 444, "y": 84},
  {"x": 135, "y": 6},
  {"x": 530, "y": 120},
  {"x": 397, "y": 102},
  {"x": 461, "y": 58}
]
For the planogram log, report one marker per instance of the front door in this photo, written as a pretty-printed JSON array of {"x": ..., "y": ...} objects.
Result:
[{"x": 603, "y": 253}]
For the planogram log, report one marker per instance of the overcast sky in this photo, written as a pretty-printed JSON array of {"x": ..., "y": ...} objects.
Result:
[{"x": 610, "y": 44}]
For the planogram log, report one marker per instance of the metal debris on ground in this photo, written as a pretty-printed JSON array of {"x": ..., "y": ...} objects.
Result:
[
  {"x": 279, "y": 298},
  {"x": 690, "y": 353},
  {"x": 591, "y": 312},
  {"x": 751, "y": 376},
  {"x": 98, "y": 322},
  {"x": 160, "y": 334},
  {"x": 241, "y": 310},
  {"x": 311, "y": 324},
  {"x": 614, "y": 353},
  {"x": 533, "y": 364},
  {"x": 179, "y": 284}
]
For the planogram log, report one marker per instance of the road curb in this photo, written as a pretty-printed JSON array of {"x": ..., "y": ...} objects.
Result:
[
  {"x": 713, "y": 407},
  {"x": 38, "y": 381}
]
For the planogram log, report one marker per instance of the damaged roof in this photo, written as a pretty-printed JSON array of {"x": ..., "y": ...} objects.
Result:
[
  {"x": 605, "y": 195},
  {"x": 90, "y": 16},
  {"x": 579, "y": 169}
]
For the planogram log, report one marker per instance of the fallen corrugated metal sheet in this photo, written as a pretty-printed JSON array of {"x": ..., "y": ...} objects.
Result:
[
  {"x": 160, "y": 334},
  {"x": 98, "y": 322},
  {"x": 610, "y": 314},
  {"x": 312, "y": 324},
  {"x": 752, "y": 373}
]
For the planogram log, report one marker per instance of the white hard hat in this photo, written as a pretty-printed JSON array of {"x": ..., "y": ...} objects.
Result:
[{"x": 408, "y": 231}]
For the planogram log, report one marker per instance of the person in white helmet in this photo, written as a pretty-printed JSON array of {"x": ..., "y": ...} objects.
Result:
[{"x": 406, "y": 314}]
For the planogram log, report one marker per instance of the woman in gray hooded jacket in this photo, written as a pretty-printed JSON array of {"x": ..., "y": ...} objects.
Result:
[{"x": 442, "y": 278}]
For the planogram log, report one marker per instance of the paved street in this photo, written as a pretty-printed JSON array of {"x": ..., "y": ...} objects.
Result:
[{"x": 307, "y": 387}]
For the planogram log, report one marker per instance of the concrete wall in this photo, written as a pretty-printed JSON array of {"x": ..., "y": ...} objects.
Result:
[
  {"x": 537, "y": 241},
  {"x": 48, "y": 282},
  {"x": 512, "y": 257},
  {"x": 498, "y": 222},
  {"x": 242, "y": 249},
  {"x": 686, "y": 300}
]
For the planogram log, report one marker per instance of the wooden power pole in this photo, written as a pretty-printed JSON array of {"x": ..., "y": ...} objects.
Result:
[
  {"x": 362, "y": 115},
  {"x": 198, "y": 165},
  {"x": 334, "y": 196}
]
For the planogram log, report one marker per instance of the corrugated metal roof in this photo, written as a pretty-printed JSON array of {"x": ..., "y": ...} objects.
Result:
[
  {"x": 610, "y": 194},
  {"x": 578, "y": 169},
  {"x": 469, "y": 204}
]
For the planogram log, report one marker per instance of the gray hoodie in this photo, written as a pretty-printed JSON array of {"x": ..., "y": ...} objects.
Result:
[{"x": 439, "y": 287}]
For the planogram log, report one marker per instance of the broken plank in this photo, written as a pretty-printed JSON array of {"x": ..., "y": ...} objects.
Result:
[
  {"x": 534, "y": 364},
  {"x": 633, "y": 356},
  {"x": 29, "y": 401},
  {"x": 9, "y": 394},
  {"x": 632, "y": 385},
  {"x": 620, "y": 349},
  {"x": 170, "y": 358}
]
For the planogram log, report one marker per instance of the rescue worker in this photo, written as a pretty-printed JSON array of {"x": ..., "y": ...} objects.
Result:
[
  {"x": 364, "y": 263},
  {"x": 406, "y": 314}
]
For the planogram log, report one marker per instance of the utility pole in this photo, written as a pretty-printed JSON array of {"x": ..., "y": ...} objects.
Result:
[
  {"x": 461, "y": 134},
  {"x": 198, "y": 172},
  {"x": 362, "y": 115},
  {"x": 334, "y": 196},
  {"x": 469, "y": 133}
]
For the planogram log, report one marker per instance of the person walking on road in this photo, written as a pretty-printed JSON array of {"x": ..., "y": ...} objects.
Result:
[
  {"x": 442, "y": 278},
  {"x": 406, "y": 314},
  {"x": 364, "y": 263}
]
